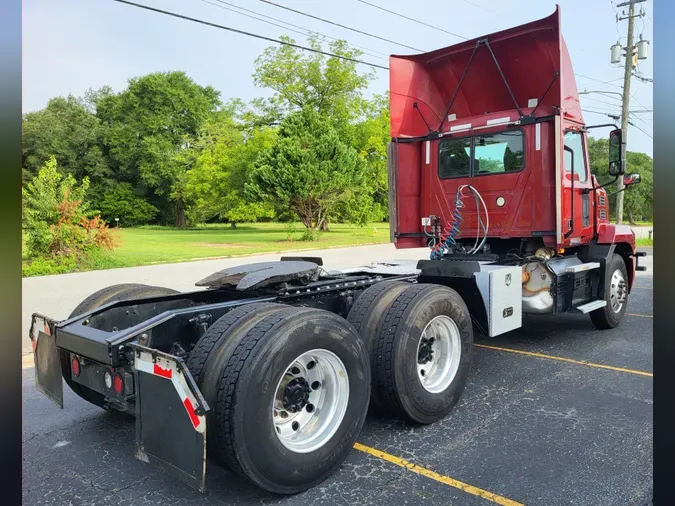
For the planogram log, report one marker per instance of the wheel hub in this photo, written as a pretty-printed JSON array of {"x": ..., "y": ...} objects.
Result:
[
  {"x": 438, "y": 354},
  {"x": 426, "y": 351},
  {"x": 296, "y": 395},
  {"x": 618, "y": 291},
  {"x": 310, "y": 400}
]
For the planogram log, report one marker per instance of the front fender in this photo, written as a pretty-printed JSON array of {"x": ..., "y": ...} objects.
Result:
[{"x": 609, "y": 233}]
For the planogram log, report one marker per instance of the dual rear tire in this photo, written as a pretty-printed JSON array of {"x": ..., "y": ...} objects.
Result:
[
  {"x": 288, "y": 389},
  {"x": 420, "y": 343}
]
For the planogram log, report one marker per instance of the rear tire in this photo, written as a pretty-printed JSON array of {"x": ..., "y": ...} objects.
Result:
[
  {"x": 367, "y": 315},
  {"x": 420, "y": 379},
  {"x": 114, "y": 293},
  {"x": 205, "y": 362},
  {"x": 253, "y": 437},
  {"x": 616, "y": 296}
]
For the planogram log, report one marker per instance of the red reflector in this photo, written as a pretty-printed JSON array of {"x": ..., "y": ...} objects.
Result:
[
  {"x": 118, "y": 384},
  {"x": 191, "y": 412},
  {"x": 160, "y": 371},
  {"x": 75, "y": 366}
]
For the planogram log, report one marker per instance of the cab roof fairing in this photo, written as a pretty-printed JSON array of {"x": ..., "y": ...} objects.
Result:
[{"x": 529, "y": 55}]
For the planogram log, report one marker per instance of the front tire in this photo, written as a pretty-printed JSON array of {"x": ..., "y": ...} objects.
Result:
[
  {"x": 616, "y": 295},
  {"x": 285, "y": 363},
  {"x": 424, "y": 353}
]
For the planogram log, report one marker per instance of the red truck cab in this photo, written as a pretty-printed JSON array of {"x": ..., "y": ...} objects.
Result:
[{"x": 489, "y": 155}]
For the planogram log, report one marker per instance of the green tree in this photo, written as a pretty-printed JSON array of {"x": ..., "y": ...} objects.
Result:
[
  {"x": 370, "y": 140},
  {"x": 214, "y": 186},
  {"x": 119, "y": 200},
  {"x": 309, "y": 170},
  {"x": 638, "y": 199},
  {"x": 67, "y": 131},
  {"x": 149, "y": 128},
  {"x": 300, "y": 79},
  {"x": 332, "y": 87}
]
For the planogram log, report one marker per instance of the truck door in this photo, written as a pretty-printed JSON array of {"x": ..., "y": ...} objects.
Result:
[{"x": 576, "y": 202}]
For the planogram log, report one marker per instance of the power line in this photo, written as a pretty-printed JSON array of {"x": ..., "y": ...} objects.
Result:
[
  {"x": 479, "y": 6},
  {"x": 633, "y": 124},
  {"x": 307, "y": 30},
  {"x": 255, "y": 35},
  {"x": 413, "y": 19},
  {"x": 341, "y": 26},
  {"x": 252, "y": 17},
  {"x": 634, "y": 98},
  {"x": 603, "y": 113},
  {"x": 599, "y": 101},
  {"x": 599, "y": 81}
]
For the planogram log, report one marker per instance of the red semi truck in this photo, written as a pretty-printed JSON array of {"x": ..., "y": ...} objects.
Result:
[{"x": 279, "y": 362}]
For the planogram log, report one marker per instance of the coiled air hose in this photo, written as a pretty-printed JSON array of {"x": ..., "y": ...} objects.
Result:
[{"x": 447, "y": 240}]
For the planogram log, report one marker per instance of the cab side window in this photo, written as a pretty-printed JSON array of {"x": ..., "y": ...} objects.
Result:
[{"x": 575, "y": 141}]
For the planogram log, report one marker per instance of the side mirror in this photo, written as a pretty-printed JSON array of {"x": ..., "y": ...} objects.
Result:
[
  {"x": 616, "y": 167},
  {"x": 629, "y": 179}
]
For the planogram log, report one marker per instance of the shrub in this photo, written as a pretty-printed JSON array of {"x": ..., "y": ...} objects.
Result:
[{"x": 56, "y": 221}]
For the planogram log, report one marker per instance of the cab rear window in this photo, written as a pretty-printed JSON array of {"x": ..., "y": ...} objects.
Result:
[{"x": 481, "y": 155}]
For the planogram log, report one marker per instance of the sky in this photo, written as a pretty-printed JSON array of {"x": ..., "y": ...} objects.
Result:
[{"x": 71, "y": 46}]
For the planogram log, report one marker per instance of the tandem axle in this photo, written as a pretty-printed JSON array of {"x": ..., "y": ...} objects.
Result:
[{"x": 301, "y": 350}]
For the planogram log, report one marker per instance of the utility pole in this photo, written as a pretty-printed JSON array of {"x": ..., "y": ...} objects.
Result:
[{"x": 625, "y": 99}]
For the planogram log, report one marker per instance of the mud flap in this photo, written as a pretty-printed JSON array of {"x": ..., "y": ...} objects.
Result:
[
  {"x": 48, "y": 377},
  {"x": 170, "y": 416}
]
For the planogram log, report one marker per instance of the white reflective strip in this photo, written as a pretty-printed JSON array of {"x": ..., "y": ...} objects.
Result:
[
  {"x": 537, "y": 136},
  {"x": 145, "y": 364},
  {"x": 428, "y": 147},
  {"x": 466, "y": 126},
  {"x": 497, "y": 121}
]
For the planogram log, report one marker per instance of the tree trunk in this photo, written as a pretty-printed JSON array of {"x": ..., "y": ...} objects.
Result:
[
  {"x": 181, "y": 222},
  {"x": 324, "y": 226},
  {"x": 630, "y": 217},
  {"x": 233, "y": 225}
]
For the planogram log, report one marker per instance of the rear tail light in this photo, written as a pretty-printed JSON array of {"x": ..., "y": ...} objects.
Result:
[
  {"x": 75, "y": 366},
  {"x": 118, "y": 383}
]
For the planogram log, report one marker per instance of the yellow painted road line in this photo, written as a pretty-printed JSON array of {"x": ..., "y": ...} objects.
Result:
[
  {"x": 564, "y": 359},
  {"x": 641, "y": 315},
  {"x": 465, "y": 487}
]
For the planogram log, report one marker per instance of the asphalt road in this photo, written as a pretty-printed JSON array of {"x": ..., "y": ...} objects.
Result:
[{"x": 554, "y": 413}]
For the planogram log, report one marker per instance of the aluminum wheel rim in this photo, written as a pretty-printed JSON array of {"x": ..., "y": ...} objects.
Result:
[
  {"x": 617, "y": 291},
  {"x": 437, "y": 370},
  {"x": 305, "y": 421}
]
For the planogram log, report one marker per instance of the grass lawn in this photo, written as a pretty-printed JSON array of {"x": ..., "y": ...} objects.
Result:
[
  {"x": 645, "y": 242},
  {"x": 148, "y": 245}
]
